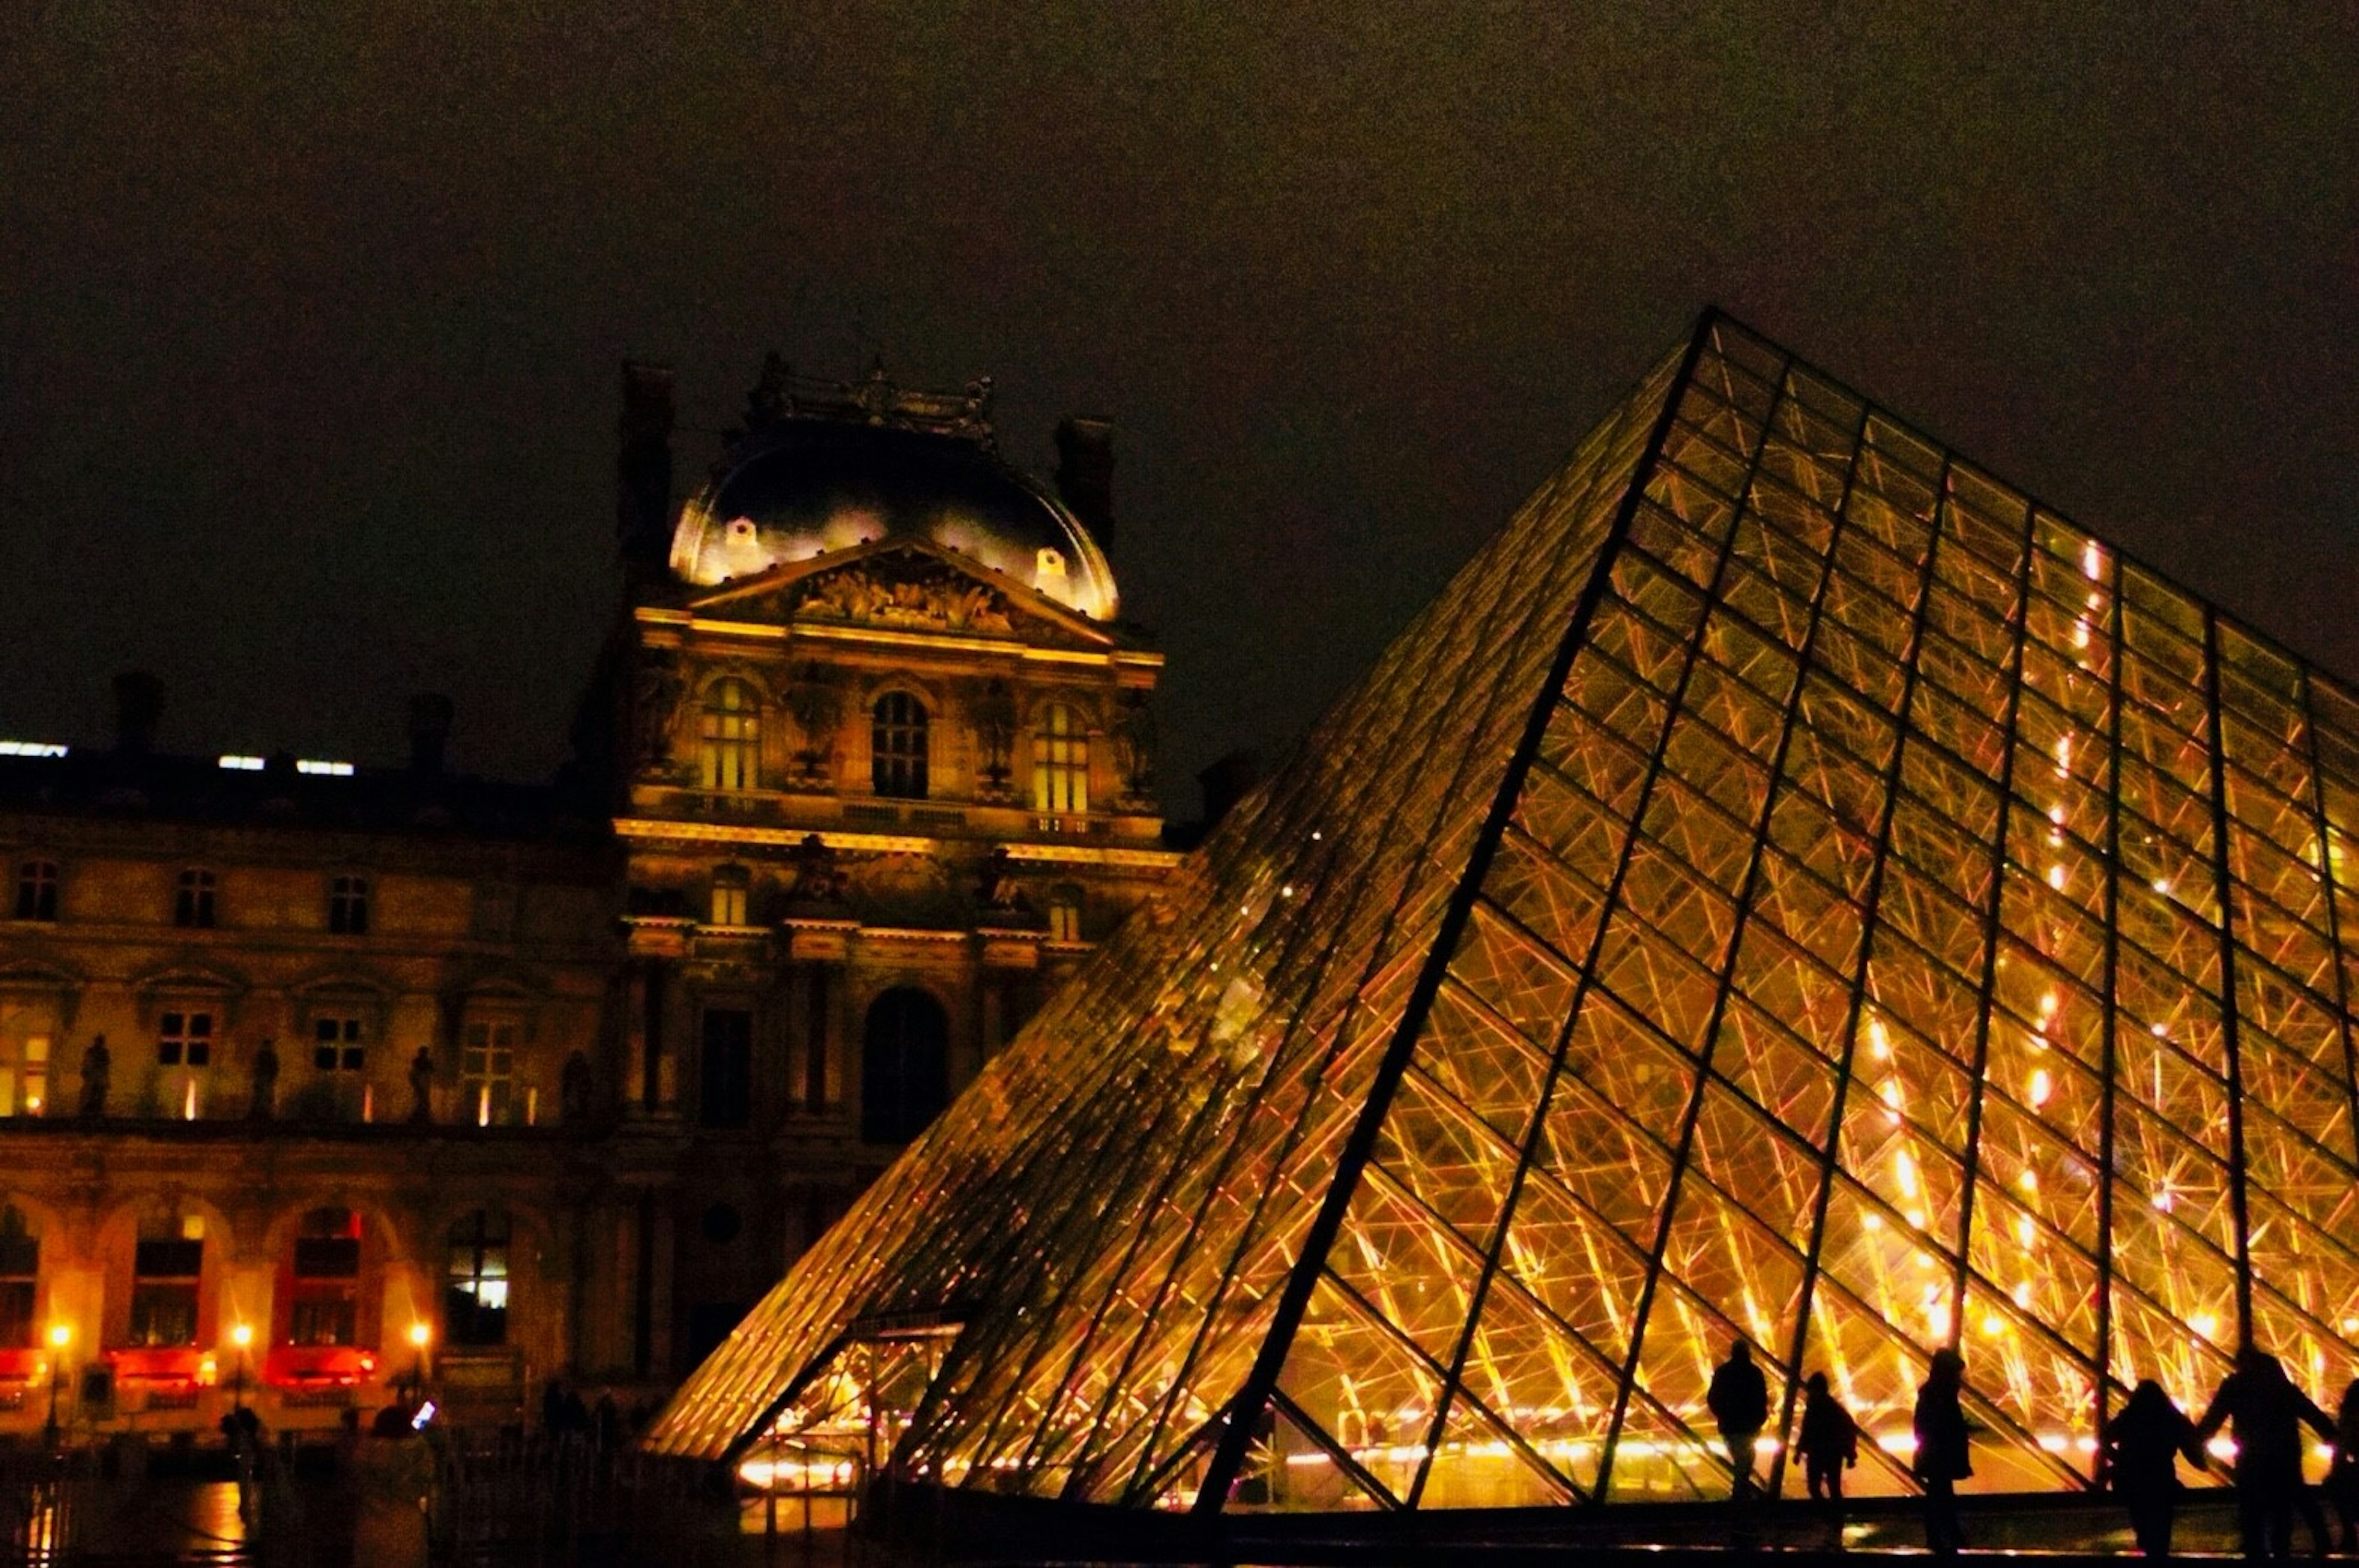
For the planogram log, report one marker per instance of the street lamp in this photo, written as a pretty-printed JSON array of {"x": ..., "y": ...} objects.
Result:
[
  {"x": 242, "y": 1336},
  {"x": 60, "y": 1335},
  {"x": 419, "y": 1335}
]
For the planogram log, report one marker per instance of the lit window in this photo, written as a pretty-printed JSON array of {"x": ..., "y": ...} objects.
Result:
[
  {"x": 192, "y": 903},
  {"x": 1064, "y": 912},
  {"x": 729, "y": 896},
  {"x": 25, "y": 1081},
  {"x": 185, "y": 1040},
  {"x": 336, "y": 1044},
  {"x": 487, "y": 1072},
  {"x": 1061, "y": 762},
  {"x": 37, "y": 890},
  {"x": 166, "y": 1268},
  {"x": 325, "y": 1304},
  {"x": 20, "y": 1275},
  {"x": 348, "y": 906},
  {"x": 475, "y": 1291},
  {"x": 898, "y": 746},
  {"x": 731, "y": 737}
]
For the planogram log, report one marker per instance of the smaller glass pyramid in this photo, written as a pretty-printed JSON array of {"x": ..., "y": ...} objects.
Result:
[{"x": 1789, "y": 887}]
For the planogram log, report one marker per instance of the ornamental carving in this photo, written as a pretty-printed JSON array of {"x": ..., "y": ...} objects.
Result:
[{"x": 904, "y": 590}]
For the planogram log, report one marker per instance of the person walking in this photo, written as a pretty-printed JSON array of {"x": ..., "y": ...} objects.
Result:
[
  {"x": 1739, "y": 1400},
  {"x": 2268, "y": 1414},
  {"x": 2342, "y": 1480},
  {"x": 2143, "y": 1446},
  {"x": 1940, "y": 1460},
  {"x": 1828, "y": 1443}
]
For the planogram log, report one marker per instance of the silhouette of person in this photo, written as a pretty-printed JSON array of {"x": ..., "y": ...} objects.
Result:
[
  {"x": 1739, "y": 1400},
  {"x": 2142, "y": 1445},
  {"x": 1828, "y": 1443},
  {"x": 2343, "y": 1480},
  {"x": 1941, "y": 1461},
  {"x": 2268, "y": 1414}
]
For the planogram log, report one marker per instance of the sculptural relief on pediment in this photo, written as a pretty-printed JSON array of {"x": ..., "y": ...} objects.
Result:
[{"x": 910, "y": 590}]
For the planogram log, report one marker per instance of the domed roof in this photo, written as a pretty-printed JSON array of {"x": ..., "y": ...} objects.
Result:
[{"x": 800, "y": 487}]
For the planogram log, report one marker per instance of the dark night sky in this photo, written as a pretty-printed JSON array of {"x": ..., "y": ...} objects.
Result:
[{"x": 309, "y": 324}]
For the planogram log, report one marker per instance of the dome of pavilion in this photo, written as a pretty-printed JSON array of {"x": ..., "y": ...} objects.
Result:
[{"x": 827, "y": 472}]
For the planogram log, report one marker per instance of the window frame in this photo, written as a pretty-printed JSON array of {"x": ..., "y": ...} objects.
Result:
[
  {"x": 350, "y": 895},
  {"x": 38, "y": 879},
  {"x": 1061, "y": 762},
  {"x": 195, "y": 898},
  {"x": 901, "y": 745},
  {"x": 729, "y": 736}
]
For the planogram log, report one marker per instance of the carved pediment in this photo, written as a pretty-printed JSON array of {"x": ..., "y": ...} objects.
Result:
[
  {"x": 904, "y": 585},
  {"x": 905, "y": 589}
]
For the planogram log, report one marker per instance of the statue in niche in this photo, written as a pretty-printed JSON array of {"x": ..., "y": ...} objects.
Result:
[
  {"x": 999, "y": 895},
  {"x": 421, "y": 1085},
  {"x": 817, "y": 709},
  {"x": 995, "y": 728},
  {"x": 264, "y": 1103},
  {"x": 658, "y": 695},
  {"x": 97, "y": 1066},
  {"x": 573, "y": 1089},
  {"x": 1134, "y": 743},
  {"x": 817, "y": 877}
]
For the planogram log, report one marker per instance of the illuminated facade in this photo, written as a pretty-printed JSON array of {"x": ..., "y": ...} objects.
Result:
[
  {"x": 300, "y": 1060},
  {"x": 1789, "y": 887}
]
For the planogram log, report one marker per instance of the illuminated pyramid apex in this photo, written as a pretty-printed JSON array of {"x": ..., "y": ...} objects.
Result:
[{"x": 1789, "y": 887}]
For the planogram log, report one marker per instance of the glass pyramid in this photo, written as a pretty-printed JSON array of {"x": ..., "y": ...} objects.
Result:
[{"x": 1790, "y": 887}]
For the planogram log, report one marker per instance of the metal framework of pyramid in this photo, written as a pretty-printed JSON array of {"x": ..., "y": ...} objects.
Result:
[{"x": 1790, "y": 887}]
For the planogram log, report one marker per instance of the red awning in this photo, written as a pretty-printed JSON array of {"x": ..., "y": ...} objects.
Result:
[
  {"x": 318, "y": 1365},
  {"x": 177, "y": 1366}
]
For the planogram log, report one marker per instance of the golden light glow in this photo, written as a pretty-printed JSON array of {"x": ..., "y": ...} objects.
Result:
[
  {"x": 242, "y": 1334},
  {"x": 420, "y": 1334},
  {"x": 1896, "y": 901},
  {"x": 60, "y": 1335}
]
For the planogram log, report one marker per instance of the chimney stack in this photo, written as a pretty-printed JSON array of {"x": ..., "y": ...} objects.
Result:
[
  {"x": 429, "y": 731},
  {"x": 138, "y": 707},
  {"x": 643, "y": 464},
  {"x": 1085, "y": 474}
]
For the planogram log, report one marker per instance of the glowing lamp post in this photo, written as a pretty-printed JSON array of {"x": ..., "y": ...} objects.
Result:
[
  {"x": 419, "y": 1336},
  {"x": 60, "y": 1335},
  {"x": 242, "y": 1336}
]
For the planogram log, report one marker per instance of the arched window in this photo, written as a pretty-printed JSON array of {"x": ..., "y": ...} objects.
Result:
[
  {"x": 323, "y": 1302},
  {"x": 20, "y": 1275},
  {"x": 905, "y": 1078},
  {"x": 897, "y": 744},
  {"x": 1064, "y": 912},
  {"x": 475, "y": 1286},
  {"x": 1061, "y": 762},
  {"x": 732, "y": 736},
  {"x": 192, "y": 903}
]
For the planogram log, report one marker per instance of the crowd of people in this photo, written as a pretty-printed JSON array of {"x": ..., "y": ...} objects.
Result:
[{"x": 2263, "y": 1409}]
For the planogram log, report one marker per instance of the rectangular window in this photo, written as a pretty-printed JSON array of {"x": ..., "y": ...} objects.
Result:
[
  {"x": 325, "y": 1306},
  {"x": 487, "y": 1073},
  {"x": 1065, "y": 916},
  {"x": 25, "y": 1083},
  {"x": 192, "y": 903},
  {"x": 37, "y": 890},
  {"x": 336, "y": 1043},
  {"x": 727, "y": 1078},
  {"x": 21, "y": 1270},
  {"x": 164, "y": 1278},
  {"x": 185, "y": 1040},
  {"x": 348, "y": 906}
]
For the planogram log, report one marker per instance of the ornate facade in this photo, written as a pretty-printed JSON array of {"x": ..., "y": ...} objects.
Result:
[{"x": 315, "y": 1078}]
